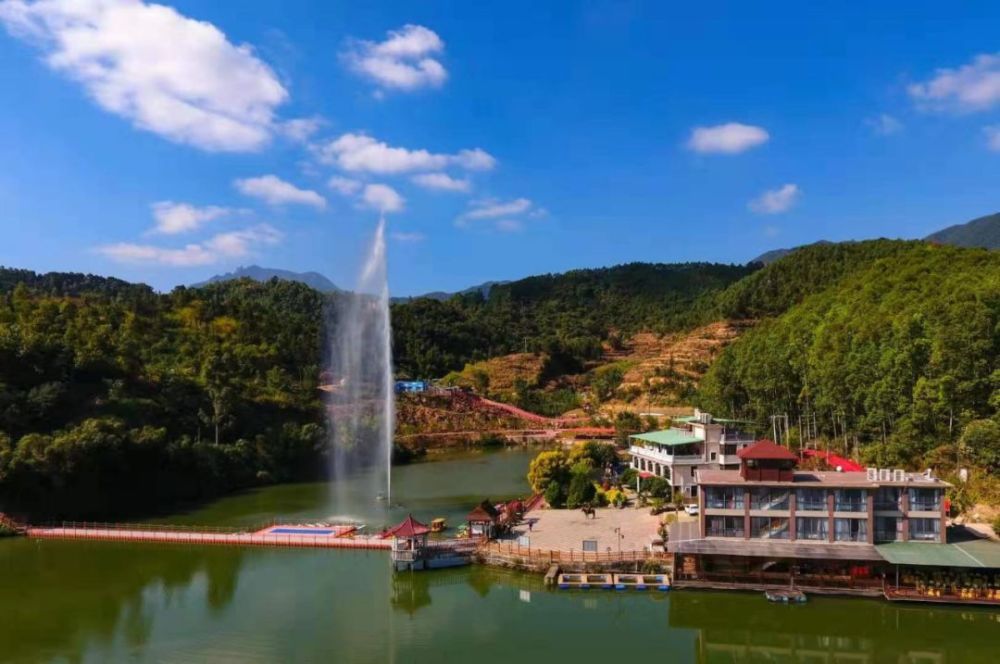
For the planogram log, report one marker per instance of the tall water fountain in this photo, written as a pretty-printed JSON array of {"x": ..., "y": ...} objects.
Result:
[{"x": 361, "y": 402}]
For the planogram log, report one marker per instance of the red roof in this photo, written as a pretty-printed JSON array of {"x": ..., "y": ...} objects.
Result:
[
  {"x": 484, "y": 511},
  {"x": 410, "y": 527},
  {"x": 767, "y": 449}
]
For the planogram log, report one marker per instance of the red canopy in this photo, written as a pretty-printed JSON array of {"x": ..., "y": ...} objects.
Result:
[{"x": 410, "y": 527}]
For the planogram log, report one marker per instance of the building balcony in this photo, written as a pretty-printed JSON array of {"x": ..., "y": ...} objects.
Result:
[{"x": 657, "y": 456}]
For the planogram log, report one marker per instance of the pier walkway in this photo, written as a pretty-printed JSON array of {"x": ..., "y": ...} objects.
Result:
[{"x": 271, "y": 536}]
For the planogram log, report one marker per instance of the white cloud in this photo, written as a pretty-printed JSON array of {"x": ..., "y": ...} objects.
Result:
[
  {"x": 729, "y": 138},
  {"x": 276, "y": 191},
  {"x": 992, "y": 137},
  {"x": 509, "y": 225},
  {"x": 235, "y": 244},
  {"x": 344, "y": 186},
  {"x": 407, "y": 237},
  {"x": 884, "y": 124},
  {"x": 361, "y": 153},
  {"x": 441, "y": 182},
  {"x": 971, "y": 87},
  {"x": 166, "y": 73},
  {"x": 301, "y": 129},
  {"x": 490, "y": 208},
  {"x": 402, "y": 62},
  {"x": 173, "y": 218},
  {"x": 383, "y": 198},
  {"x": 776, "y": 201}
]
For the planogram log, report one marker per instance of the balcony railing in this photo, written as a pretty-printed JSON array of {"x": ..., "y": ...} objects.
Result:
[
  {"x": 663, "y": 457},
  {"x": 779, "y": 502},
  {"x": 810, "y": 505},
  {"x": 725, "y": 532},
  {"x": 886, "y": 536},
  {"x": 887, "y": 505},
  {"x": 850, "y": 506},
  {"x": 925, "y": 505},
  {"x": 724, "y": 503}
]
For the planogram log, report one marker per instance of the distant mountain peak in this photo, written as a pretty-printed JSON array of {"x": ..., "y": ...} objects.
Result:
[
  {"x": 257, "y": 273},
  {"x": 981, "y": 232}
]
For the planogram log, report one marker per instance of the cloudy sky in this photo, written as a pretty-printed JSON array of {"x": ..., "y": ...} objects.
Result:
[{"x": 166, "y": 143}]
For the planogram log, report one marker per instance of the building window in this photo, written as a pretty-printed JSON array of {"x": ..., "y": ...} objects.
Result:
[
  {"x": 724, "y": 526},
  {"x": 850, "y": 530},
  {"x": 850, "y": 500},
  {"x": 810, "y": 500},
  {"x": 811, "y": 528},
  {"x": 888, "y": 529},
  {"x": 693, "y": 490},
  {"x": 766, "y": 498},
  {"x": 925, "y": 500},
  {"x": 693, "y": 469},
  {"x": 724, "y": 498},
  {"x": 713, "y": 456},
  {"x": 765, "y": 527},
  {"x": 925, "y": 529},
  {"x": 887, "y": 498}
]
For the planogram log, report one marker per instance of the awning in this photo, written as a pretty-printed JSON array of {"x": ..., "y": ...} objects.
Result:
[
  {"x": 762, "y": 548},
  {"x": 973, "y": 553}
]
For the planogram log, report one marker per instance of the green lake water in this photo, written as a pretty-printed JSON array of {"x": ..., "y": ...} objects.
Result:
[{"x": 104, "y": 602}]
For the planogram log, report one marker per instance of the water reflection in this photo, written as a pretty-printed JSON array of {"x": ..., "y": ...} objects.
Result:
[
  {"x": 73, "y": 596},
  {"x": 744, "y": 628}
]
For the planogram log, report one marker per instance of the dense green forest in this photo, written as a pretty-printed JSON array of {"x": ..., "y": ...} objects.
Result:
[
  {"x": 896, "y": 347},
  {"x": 566, "y": 316},
  {"x": 114, "y": 399}
]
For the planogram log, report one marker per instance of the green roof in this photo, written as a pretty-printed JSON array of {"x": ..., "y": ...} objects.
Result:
[
  {"x": 974, "y": 553},
  {"x": 667, "y": 437}
]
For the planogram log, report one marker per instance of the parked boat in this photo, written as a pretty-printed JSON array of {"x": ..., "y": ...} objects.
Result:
[
  {"x": 438, "y": 525},
  {"x": 785, "y": 596}
]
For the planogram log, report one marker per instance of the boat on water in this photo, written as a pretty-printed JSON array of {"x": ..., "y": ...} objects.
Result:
[
  {"x": 438, "y": 525},
  {"x": 785, "y": 596}
]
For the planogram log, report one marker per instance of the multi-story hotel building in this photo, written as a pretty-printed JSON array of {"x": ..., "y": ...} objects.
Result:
[{"x": 692, "y": 444}]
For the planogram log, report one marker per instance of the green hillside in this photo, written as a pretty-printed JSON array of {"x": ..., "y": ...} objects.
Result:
[
  {"x": 566, "y": 315},
  {"x": 903, "y": 348}
]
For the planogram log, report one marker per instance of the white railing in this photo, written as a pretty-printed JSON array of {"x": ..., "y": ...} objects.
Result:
[{"x": 656, "y": 455}]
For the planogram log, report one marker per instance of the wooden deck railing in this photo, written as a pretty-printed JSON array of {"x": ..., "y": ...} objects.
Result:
[{"x": 536, "y": 555}]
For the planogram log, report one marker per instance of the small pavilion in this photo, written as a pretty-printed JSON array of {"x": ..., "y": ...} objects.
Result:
[
  {"x": 483, "y": 520},
  {"x": 766, "y": 461},
  {"x": 408, "y": 540}
]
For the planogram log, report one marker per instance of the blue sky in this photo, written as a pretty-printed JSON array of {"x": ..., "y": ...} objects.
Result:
[{"x": 167, "y": 143}]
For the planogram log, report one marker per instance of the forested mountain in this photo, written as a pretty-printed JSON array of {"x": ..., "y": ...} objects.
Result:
[
  {"x": 982, "y": 232},
  {"x": 257, "y": 273},
  {"x": 898, "y": 343},
  {"x": 116, "y": 400},
  {"x": 565, "y": 315}
]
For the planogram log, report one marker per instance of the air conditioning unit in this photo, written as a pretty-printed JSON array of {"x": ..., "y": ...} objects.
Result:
[
  {"x": 898, "y": 475},
  {"x": 884, "y": 474},
  {"x": 872, "y": 474}
]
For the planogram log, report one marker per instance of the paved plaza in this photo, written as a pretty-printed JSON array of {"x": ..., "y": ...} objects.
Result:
[{"x": 565, "y": 530}]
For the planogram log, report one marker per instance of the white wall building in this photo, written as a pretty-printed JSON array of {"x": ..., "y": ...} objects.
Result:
[{"x": 692, "y": 443}]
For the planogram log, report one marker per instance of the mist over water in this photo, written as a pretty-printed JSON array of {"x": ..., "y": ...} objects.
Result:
[{"x": 361, "y": 406}]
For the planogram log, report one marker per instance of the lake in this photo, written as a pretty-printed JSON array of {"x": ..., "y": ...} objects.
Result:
[{"x": 105, "y": 602}]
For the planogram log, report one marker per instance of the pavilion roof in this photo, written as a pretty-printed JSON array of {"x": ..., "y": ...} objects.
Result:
[
  {"x": 767, "y": 449},
  {"x": 409, "y": 527},
  {"x": 484, "y": 511}
]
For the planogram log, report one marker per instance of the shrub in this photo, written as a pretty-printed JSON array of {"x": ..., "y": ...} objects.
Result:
[
  {"x": 555, "y": 496},
  {"x": 656, "y": 487},
  {"x": 581, "y": 490},
  {"x": 996, "y": 525}
]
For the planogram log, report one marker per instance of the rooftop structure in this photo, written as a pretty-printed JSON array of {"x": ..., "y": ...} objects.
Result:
[{"x": 693, "y": 443}]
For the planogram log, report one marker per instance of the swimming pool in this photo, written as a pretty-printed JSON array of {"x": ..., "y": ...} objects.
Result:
[{"x": 301, "y": 531}]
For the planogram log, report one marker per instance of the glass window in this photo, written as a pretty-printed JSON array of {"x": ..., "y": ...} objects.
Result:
[
  {"x": 724, "y": 526},
  {"x": 888, "y": 529},
  {"x": 724, "y": 498},
  {"x": 850, "y": 530},
  {"x": 766, "y": 527},
  {"x": 925, "y": 500},
  {"x": 810, "y": 499},
  {"x": 925, "y": 529},
  {"x": 811, "y": 528},
  {"x": 767, "y": 498},
  {"x": 850, "y": 500},
  {"x": 887, "y": 498}
]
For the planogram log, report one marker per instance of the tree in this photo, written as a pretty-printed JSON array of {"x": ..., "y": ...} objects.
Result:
[
  {"x": 627, "y": 424},
  {"x": 581, "y": 489},
  {"x": 546, "y": 468},
  {"x": 980, "y": 443}
]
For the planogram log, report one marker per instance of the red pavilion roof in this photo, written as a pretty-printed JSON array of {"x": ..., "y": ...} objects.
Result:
[
  {"x": 767, "y": 449},
  {"x": 410, "y": 527}
]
